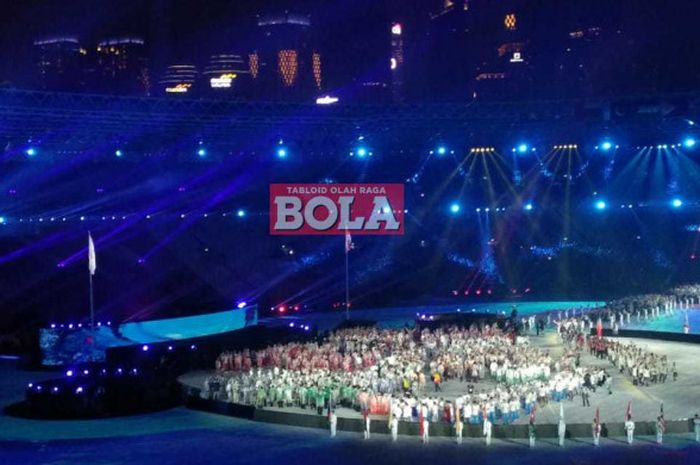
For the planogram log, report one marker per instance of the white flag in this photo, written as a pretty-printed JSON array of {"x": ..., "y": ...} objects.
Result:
[
  {"x": 92, "y": 258},
  {"x": 348, "y": 242}
]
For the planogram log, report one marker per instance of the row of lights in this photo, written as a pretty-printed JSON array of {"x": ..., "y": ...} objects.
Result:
[
  {"x": 599, "y": 204},
  {"x": 283, "y": 308},
  {"x": 455, "y": 208},
  {"x": 603, "y": 205},
  {"x": 361, "y": 151},
  {"x": 300, "y": 326},
  {"x": 240, "y": 213},
  {"x": 75, "y": 326}
]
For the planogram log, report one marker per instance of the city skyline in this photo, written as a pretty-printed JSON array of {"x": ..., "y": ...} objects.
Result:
[{"x": 448, "y": 49}]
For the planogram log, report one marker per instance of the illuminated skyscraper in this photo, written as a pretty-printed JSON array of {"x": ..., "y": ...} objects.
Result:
[
  {"x": 122, "y": 66},
  {"x": 284, "y": 64},
  {"x": 397, "y": 62},
  {"x": 178, "y": 79},
  {"x": 60, "y": 63},
  {"x": 226, "y": 74}
]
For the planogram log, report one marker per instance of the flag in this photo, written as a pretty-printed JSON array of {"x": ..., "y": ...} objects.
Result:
[
  {"x": 92, "y": 258},
  {"x": 599, "y": 328},
  {"x": 348, "y": 241},
  {"x": 687, "y": 322},
  {"x": 597, "y": 416},
  {"x": 662, "y": 420},
  {"x": 561, "y": 411},
  {"x": 628, "y": 414},
  {"x": 532, "y": 414}
]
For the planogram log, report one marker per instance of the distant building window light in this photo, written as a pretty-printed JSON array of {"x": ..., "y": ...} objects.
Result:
[
  {"x": 288, "y": 66},
  {"x": 327, "y": 100},
  {"x": 254, "y": 64},
  {"x": 179, "y": 88},
  {"x": 316, "y": 68},
  {"x": 487, "y": 76},
  {"x": 510, "y": 21},
  {"x": 222, "y": 82},
  {"x": 517, "y": 58}
]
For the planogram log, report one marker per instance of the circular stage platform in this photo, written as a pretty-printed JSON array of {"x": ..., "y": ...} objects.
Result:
[{"x": 681, "y": 400}]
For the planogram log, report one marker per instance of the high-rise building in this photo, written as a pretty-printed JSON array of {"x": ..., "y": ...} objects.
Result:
[
  {"x": 226, "y": 74},
  {"x": 284, "y": 64},
  {"x": 122, "y": 66},
  {"x": 396, "y": 62},
  {"x": 178, "y": 79},
  {"x": 60, "y": 63}
]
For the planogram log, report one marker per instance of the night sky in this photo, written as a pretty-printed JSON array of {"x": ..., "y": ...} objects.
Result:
[
  {"x": 658, "y": 37},
  {"x": 190, "y": 30}
]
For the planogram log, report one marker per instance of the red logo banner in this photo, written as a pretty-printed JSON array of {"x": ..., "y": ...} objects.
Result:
[{"x": 328, "y": 209}]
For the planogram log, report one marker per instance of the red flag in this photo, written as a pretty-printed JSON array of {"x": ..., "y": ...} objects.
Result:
[
  {"x": 628, "y": 414},
  {"x": 599, "y": 328},
  {"x": 532, "y": 414}
]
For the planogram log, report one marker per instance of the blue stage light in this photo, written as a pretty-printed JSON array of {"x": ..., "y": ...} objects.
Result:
[
  {"x": 31, "y": 151},
  {"x": 2, "y": 220},
  {"x": 601, "y": 205},
  {"x": 241, "y": 304},
  {"x": 79, "y": 390},
  {"x": 69, "y": 373},
  {"x": 240, "y": 213},
  {"x": 118, "y": 153},
  {"x": 144, "y": 348},
  {"x": 528, "y": 207},
  {"x": 455, "y": 207},
  {"x": 281, "y": 152},
  {"x": 606, "y": 145},
  {"x": 202, "y": 152},
  {"x": 441, "y": 150},
  {"x": 361, "y": 152},
  {"x": 689, "y": 143},
  {"x": 676, "y": 203},
  {"x": 523, "y": 148}
]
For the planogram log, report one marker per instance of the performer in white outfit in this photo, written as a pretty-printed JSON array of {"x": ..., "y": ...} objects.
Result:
[
  {"x": 487, "y": 431},
  {"x": 629, "y": 429},
  {"x": 333, "y": 423}
]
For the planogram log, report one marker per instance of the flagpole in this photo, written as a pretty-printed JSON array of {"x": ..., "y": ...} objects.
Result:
[
  {"x": 347, "y": 285},
  {"x": 92, "y": 307},
  {"x": 92, "y": 264}
]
